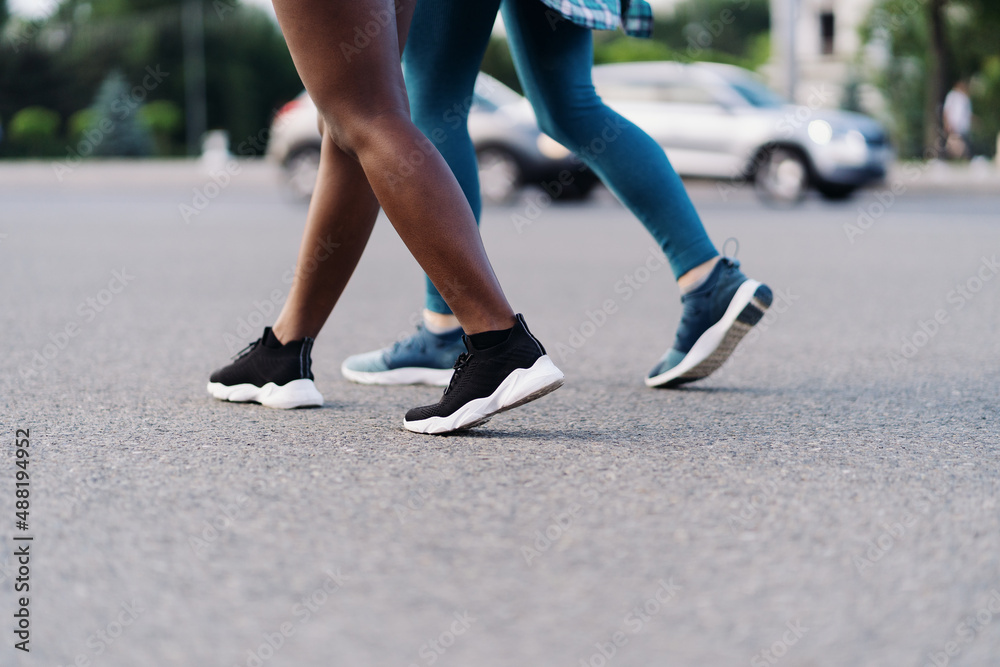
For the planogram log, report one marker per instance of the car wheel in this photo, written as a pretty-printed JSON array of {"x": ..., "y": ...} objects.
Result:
[
  {"x": 580, "y": 188},
  {"x": 301, "y": 169},
  {"x": 499, "y": 174},
  {"x": 836, "y": 192},
  {"x": 782, "y": 177}
]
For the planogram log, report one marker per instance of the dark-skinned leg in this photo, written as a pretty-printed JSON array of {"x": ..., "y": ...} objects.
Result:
[
  {"x": 363, "y": 105},
  {"x": 362, "y": 100}
]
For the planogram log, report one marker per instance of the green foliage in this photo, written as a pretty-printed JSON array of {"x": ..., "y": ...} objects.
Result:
[
  {"x": 623, "y": 49},
  {"x": 79, "y": 122},
  {"x": 699, "y": 28},
  {"x": 164, "y": 120},
  {"x": 902, "y": 28},
  {"x": 161, "y": 116},
  {"x": 34, "y": 124},
  {"x": 61, "y": 63},
  {"x": 33, "y": 132}
]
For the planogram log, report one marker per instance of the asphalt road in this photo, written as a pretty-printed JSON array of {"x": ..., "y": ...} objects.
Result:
[{"x": 829, "y": 498}]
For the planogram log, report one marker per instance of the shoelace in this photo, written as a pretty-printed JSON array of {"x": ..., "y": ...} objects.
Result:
[
  {"x": 459, "y": 365},
  {"x": 247, "y": 350}
]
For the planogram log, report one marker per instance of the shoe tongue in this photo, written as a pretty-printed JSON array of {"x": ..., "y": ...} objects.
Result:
[
  {"x": 269, "y": 339},
  {"x": 468, "y": 344}
]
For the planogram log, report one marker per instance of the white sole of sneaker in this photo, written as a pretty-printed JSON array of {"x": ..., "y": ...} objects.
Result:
[
  {"x": 520, "y": 387},
  {"x": 714, "y": 346},
  {"x": 436, "y": 377},
  {"x": 296, "y": 394}
]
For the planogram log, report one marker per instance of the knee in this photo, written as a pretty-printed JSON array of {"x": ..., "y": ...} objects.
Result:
[
  {"x": 354, "y": 129},
  {"x": 570, "y": 121}
]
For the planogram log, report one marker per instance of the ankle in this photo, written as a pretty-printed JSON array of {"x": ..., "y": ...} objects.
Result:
[
  {"x": 439, "y": 323},
  {"x": 286, "y": 333},
  {"x": 696, "y": 276}
]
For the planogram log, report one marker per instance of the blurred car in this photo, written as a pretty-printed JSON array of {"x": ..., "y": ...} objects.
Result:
[
  {"x": 510, "y": 149},
  {"x": 720, "y": 121}
]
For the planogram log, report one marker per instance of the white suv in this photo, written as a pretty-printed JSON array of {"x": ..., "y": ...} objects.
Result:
[{"x": 719, "y": 121}]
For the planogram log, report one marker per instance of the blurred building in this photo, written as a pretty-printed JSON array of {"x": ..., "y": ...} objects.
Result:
[{"x": 822, "y": 37}]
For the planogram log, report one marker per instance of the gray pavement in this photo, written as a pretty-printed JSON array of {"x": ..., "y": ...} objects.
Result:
[{"x": 829, "y": 498}]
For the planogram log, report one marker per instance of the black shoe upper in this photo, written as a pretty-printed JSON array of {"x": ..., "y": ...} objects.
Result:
[
  {"x": 478, "y": 373},
  {"x": 267, "y": 360}
]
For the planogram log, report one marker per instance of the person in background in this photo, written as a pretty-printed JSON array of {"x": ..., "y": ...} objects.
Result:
[{"x": 957, "y": 118}]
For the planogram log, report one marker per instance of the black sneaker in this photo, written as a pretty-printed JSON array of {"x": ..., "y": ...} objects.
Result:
[
  {"x": 269, "y": 373},
  {"x": 489, "y": 381}
]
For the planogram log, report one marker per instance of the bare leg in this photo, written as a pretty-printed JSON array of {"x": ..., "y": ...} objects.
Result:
[
  {"x": 330, "y": 249},
  {"x": 361, "y": 97}
]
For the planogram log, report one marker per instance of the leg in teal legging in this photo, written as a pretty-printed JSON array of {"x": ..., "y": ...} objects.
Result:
[
  {"x": 554, "y": 66},
  {"x": 445, "y": 46}
]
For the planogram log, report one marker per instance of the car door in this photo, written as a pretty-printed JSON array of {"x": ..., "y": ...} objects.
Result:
[{"x": 694, "y": 128}]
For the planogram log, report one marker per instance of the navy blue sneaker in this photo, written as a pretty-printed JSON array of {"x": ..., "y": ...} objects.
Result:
[
  {"x": 716, "y": 317},
  {"x": 423, "y": 358}
]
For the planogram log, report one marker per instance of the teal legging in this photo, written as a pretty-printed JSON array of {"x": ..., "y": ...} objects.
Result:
[{"x": 446, "y": 43}]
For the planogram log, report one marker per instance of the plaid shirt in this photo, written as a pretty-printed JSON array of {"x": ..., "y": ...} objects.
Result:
[{"x": 607, "y": 15}]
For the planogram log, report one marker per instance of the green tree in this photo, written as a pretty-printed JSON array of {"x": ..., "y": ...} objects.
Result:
[{"x": 118, "y": 130}]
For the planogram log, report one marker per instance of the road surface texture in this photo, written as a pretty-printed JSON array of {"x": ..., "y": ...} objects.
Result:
[{"x": 829, "y": 498}]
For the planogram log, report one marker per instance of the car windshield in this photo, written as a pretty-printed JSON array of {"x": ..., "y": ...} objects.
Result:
[{"x": 756, "y": 93}]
